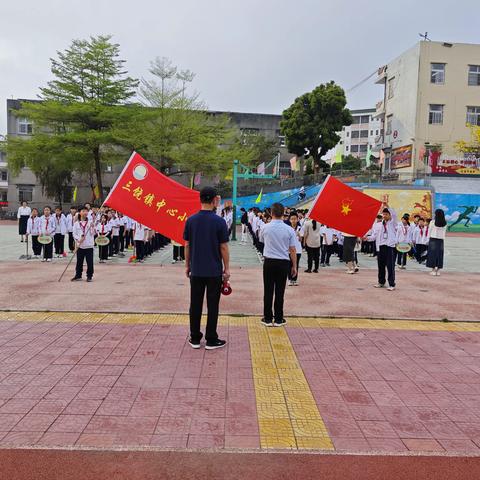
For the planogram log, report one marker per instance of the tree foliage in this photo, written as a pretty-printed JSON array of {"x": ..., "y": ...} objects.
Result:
[
  {"x": 473, "y": 146},
  {"x": 81, "y": 120},
  {"x": 350, "y": 163},
  {"x": 311, "y": 123}
]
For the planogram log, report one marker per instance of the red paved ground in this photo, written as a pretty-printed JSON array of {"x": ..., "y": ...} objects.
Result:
[{"x": 150, "y": 288}]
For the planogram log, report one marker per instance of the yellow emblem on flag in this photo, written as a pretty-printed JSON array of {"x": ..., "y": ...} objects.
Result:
[{"x": 346, "y": 206}]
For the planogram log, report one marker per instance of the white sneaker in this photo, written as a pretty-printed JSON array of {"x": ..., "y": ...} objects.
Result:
[
  {"x": 174, "y": 261},
  {"x": 437, "y": 273},
  {"x": 391, "y": 289},
  {"x": 434, "y": 273},
  {"x": 49, "y": 259},
  {"x": 44, "y": 259}
]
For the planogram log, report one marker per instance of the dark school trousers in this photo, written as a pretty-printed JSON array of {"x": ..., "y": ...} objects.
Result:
[
  {"x": 313, "y": 254},
  {"x": 401, "y": 259},
  {"x": 71, "y": 242},
  {"x": 275, "y": 273},
  {"x": 178, "y": 252},
  {"x": 420, "y": 252},
  {"x": 48, "y": 250},
  {"x": 139, "y": 249},
  {"x": 326, "y": 254},
  {"x": 386, "y": 261},
  {"x": 59, "y": 242},
  {"x": 291, "y": 265},
  {"x": 36, "y": 246},
  {"x": 198, "y": 286},
  {"x": 87, "y": 255},
  {"x": 121, "y": 238}
]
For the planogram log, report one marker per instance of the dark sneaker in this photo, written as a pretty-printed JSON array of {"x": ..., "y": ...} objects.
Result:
[
  {"x": 89, "y": 279},
  {"x": 280, "y": 323},
  {"x": 216, "y": 344},
  {"x": 307, "y": 271},
  {"x": 76, "y": 279},
  {"x": 315, "y": 271},
  {"x": 267, "y": 323},
  {"x": 193, "y": 344}
]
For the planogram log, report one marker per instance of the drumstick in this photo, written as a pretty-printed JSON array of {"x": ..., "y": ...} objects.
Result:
[{"x": 72, "y": 257}]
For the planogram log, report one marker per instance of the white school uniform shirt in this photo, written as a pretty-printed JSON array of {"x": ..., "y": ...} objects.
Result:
[
  {"x": 229, "y": 219},
  {"x": 250, "y": 216},
  {"x": 139, "y": 232},
  {"x": 121, "y": 221},
  {"x": 328, "y": 235},
  {"x": 24, "y": 211},
  {"x": 103, "y": 229},
  {"x": 84, "y": 228},
  {"x": 47, "y": 225},
  {"x": 421, "y": 235},
  {"x": 114, "y": 225},
  {"x": 387, "y": 233},
  {"x": 129, "y": 223},
  {"x": 69, "y": 221},
  {"x": 340, "y": 237},
  {"x": 33, "y": 226},
  {"x": 404, "y": 233},
  {"x": 60, "y": 224},
  {"x": 299, "y": 233},
  {"x": 373, "y": 234}
]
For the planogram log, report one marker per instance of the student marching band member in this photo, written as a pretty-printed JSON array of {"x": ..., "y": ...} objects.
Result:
[
  {"x": 33, "y": 229},
  {"x": 420, "y": 240},
  {"x": 23, "y": 214},
  {"x": 60, "y": 231},
  {"x": 312, "y": 241},
  {"x": 83, "y": 233},
  {"x": 47, "y": 228},
  {"x": 404, "y": 235},
  {"x": 386, "y": 242},
  {"x": 293, "y": 279},
  {"x": 70, "y": 220},
  {"x": 139, "y": 234},
  {"x": 115, "y": 226},
  {"x": 103, "y": 228}
]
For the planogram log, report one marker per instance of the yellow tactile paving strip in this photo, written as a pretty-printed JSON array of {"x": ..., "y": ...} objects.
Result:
[
  {"x": 225, "y": 320},
  {"x": 288, "y": 415}
]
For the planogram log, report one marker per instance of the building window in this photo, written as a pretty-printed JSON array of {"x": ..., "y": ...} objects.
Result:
[
  {"x": 435, "y": 114},
  {"x": 3, "y": 196},
  {"x": 364, "y": 118},
  {"x": 371, "y": 132},
  {"x": 356, "y": 120},
  {"x": 24, "y": 126},
  {"x": 389, "y": 124},
  {"x": 354, "y": 148},
  {"x": 355, "y": 134},
  {"x": 473, "y": 115},
  {"x": 437, "y": 73},
  {"x": 376, "y": 133},
  {"x": 348, "y": 134},
  {"x": 347, "y": 148},
  {"x": 474, "y": 75},
  {"x": 25, "y": 193},
  {"x": 108, "y": 169},
  {"x": 363, "y": 133},
  {"x": 282, "y": 141},
  {"x": 363, "y": 148},
  {"x": 390, "y": 87},
  {"x": 3, "y": 176}
]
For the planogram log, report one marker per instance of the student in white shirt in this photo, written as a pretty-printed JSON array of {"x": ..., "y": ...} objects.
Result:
[
  {"x": 70, "y": 220},
  {"x": 33, "y": 230},
  {"x": 404, "y": 235},
  {"x": 60, "y": 231},
  {"x": 327, "y": 245},
  {"x": 386, "y": 242},
  {"x": 312, "y": 244},
  {"x": 139, "y": 238},
  {"x": 23, "y": 214},
  {"x": 103, "y": 228},
  {"x": 84, "y": 235},
  {"x": 121, "y": 233},
  {"x": 115, "y": 226},
  {"x": 374, "y": 234},
  {"x": 436, "y": 231},
  {"x": 293, "y": 279},
  {"x": 47, "y": 228},
  {"x": 420, "y": 240}
]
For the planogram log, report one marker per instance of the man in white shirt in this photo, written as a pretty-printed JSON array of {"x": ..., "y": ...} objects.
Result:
[
  {"x": 386, "y": 243},
  {"x": 84, "y": 234}
]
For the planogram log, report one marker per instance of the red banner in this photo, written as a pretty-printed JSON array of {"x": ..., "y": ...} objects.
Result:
[
  {"x": 401, "y": 157},
  {"x": 152, "y": 199},
  {"x": 441, "y": 164},
  {"x": 343, "y": 208}
]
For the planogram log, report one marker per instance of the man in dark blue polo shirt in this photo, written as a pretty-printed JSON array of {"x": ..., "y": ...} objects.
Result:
[{"x": 207, "y": 265}]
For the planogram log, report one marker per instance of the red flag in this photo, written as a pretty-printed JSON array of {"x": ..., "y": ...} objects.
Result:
[
  {"x": 344, "y": 208},
  {"x": 151, "y": 198}
]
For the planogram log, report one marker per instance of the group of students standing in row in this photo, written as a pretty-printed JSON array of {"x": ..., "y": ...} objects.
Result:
[{"x": 322, "y": 242}]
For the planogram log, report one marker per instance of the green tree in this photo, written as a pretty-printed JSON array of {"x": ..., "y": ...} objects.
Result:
[
  {"x": 349, "y": 163},
  {"x": 81, "y": 120},
  {"x": 311, "y": 123}
]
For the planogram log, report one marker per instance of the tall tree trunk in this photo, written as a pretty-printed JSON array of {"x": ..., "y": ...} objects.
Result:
[{"x": 98, "y": 172}]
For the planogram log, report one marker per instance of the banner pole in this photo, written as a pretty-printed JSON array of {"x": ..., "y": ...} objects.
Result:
[{"x": 234, "y": 199}]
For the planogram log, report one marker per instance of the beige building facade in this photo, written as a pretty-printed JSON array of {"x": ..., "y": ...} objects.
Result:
[{"x": 431, "y": 98}]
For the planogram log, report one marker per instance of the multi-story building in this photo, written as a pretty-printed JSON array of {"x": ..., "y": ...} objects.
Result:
[
  {"x": 25, "y": 186},
  {"x": 431, "y": 96},
  {"x": 364, "y": 132}
]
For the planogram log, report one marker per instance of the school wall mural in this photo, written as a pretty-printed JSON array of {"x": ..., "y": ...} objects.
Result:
[
  {"x": 405, "y": 201},
  {"x": 462, "y": 211}
]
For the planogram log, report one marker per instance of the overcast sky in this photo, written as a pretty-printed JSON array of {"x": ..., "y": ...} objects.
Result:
[{"x": 249, "y": 55}]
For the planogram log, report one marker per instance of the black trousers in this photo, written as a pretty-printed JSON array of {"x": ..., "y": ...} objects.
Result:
[
  {"x": 36, "y": 247},
  {"x": 401, "y": 259},
  {"x": 103, "y": 251},
  {"x": 420, "y": 252},
  {"x": 84, "y": 254},
  {"x": 313, "y": 257},
  {"x": 71, "y": 242},
  {"x": 139, "y": 249},
  {"x": 48, "y": 250},
  {"x": 121, "y": 238},
  {"x": 290, "y": 271},
  {"x": 275, "y": 273},
  {"x": 59, "y": 242},
  {"x": 213, "y": 286},
  {"x": 178, "y": 252},
  {"x": 115, "y": 244},
  {"x": 386, "y": 261},
  {"x": 326, "y": 254}
]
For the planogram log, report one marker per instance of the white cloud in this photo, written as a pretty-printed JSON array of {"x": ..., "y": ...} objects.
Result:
[{"x": 453, "y": 216}]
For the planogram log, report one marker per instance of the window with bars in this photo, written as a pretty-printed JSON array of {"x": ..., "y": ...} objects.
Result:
[
  {"x": 25, "y": 193},
  {"x": 474, "y": 75},
  {"x": 24, "y": 126},
  {"x": 437, "y": 73},
  {"x": 435, "y": 114},
  {"x": 354, "y": 148},
  {"x": 363, "y": 133},
  {"x": 3, "y": 175},
  {"x": 363, "y": 148},
  {"x": 473, "y": 115},
  {"x": 355, "y": 134}
]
